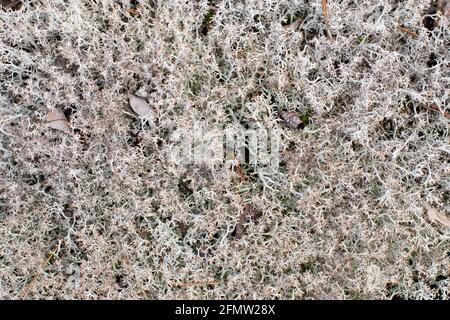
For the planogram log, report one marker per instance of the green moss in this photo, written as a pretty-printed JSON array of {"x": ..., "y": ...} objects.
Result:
[
  {"x": 361, "y": 39},
  {"x": 291, "y": 18},
  {"x": 305, "y": 117},
  {"x": 208, "y": 16},
  {"x": 117, "y": 265}
]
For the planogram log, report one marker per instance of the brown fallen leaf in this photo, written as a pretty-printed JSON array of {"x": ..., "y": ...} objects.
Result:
[
  {"x": 140, "y": 105},
  {"x": 435, "y": 215},
  {"x": 248, "y": 212},
  {"x": 292, "y": 119},
  {"x": 57, "y": 120}
]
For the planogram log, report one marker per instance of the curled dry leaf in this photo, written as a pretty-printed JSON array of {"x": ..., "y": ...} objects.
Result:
[
  {"x": 57, "y": 120},
  {"x": 435, "y": 215},
  {"x": 292, "y": 119},
  {"x": 139, "y": 105},
  {"x": 248, "y": 212}
]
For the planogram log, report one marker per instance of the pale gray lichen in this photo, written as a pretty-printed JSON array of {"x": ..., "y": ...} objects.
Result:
[{"x": 105, "y": 213}]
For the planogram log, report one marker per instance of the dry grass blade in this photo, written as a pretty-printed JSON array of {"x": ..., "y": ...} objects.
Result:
[
  {"x": 325, "y": 10},
  {"x": 190, "y": 284},
  {"x": 406, "y": 30},
  {"x": 325, "y": 16},
  {"x": 134, "y": 10}
]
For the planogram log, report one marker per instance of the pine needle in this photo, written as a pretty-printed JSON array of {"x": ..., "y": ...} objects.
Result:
[
  {"x": 189, "y": 284},
  {"x": 325, "y": 16},
  {"x": 406, "y": 30},
  {"x": 325, "y": 10}
]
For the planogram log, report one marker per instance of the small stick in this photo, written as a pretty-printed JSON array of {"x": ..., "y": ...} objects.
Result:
[
  {"x": 187, "y": 284},
  {"x": 325, "y": 15},
  {"x": 435, "y": 108},
  {"x": 325, "y": 10},
  {"x": 239, "y": 169},
  {"x": 406, "y": 30},
  {"x": 134, "y": 10},
  {"x": 241, "y": 172}
]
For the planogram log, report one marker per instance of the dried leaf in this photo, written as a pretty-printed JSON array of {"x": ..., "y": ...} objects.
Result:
[
  {"x": 140, "y": 105},
  {"x": 57, "y": 120},
  {"x": 435, "y": 215},
  {"x": 292, "y": 119}
]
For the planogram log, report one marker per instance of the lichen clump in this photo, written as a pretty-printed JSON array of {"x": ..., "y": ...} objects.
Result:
[{"x": 101, "y": 210}]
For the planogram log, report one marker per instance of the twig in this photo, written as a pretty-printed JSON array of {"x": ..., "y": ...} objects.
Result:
[
  {"x": 134, "y": 10},
  {"x": 446, "y": 114},
  {"x": 325, "y": 15},
  {"x": 403, "y": 29},
  {"x": 188, "y": 284},
  {"x": 240, "y": 171},
  {"x": 325, "y": 10}
]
